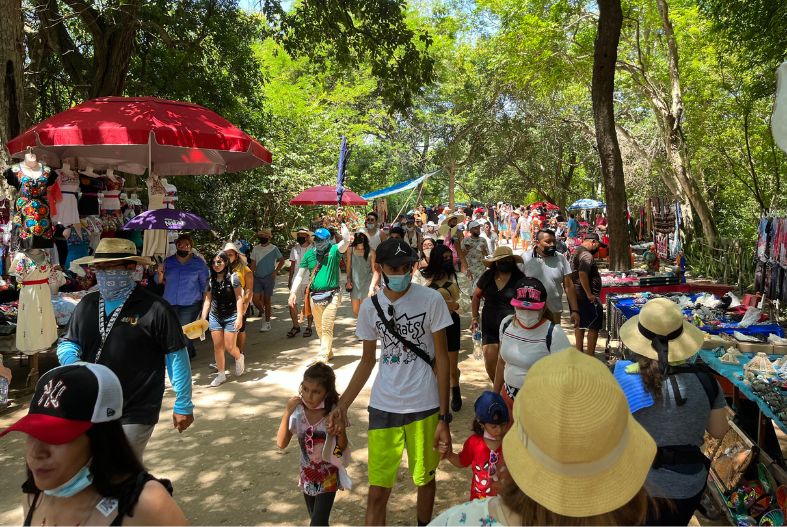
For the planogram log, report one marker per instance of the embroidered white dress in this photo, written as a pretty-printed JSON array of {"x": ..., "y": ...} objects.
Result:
[
  {"x": 36, "y": 327},
  {"x": 155, "y": 241}
]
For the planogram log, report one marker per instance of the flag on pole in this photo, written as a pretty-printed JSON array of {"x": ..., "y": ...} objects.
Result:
[{"x": 343, "y": 154}]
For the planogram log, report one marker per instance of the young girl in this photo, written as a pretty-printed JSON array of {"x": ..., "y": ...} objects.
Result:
[
  {"x": 483, "y": 450},
  {"x": 359, "y": 263},
  {"x": 304, "y": 417}
]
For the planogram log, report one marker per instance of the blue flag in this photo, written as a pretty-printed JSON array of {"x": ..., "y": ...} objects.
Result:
[{"x": 343, "y": 154}]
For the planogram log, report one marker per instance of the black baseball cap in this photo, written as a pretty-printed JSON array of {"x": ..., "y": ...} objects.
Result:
[
  {"x": 530, "y": 294},
  {"x": 395, "y": 252},
  {"x": 69, "y": 400},
  {"x": 595, "y": 237}
]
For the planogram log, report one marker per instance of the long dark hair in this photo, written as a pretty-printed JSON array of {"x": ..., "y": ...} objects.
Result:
[
  {"x": 113, "y": 460},
  {"x": 362, "y": 239},
  {"x": 437, "y": 267},
  {"x": 214, "y": 276},
  {"x": 323, "y": 375}
]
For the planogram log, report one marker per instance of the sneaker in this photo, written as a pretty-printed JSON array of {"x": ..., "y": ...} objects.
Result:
[
  {"x": 456, "y": 399},
  {"x": 265, "y": 327},
  {"x": 240, "y": 365},
  {"x": 219, "y": 380}
]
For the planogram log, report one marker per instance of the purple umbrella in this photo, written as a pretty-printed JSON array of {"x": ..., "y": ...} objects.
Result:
[{"x": 167, "y": 219}]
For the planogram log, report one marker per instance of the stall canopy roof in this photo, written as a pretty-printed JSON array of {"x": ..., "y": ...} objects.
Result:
[{"x": 395, "y": 189}]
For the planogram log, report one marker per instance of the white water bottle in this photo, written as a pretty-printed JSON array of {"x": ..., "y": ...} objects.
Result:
[
  {"x": 3, "y": 387},
  {"x": 478, "y": 349}
]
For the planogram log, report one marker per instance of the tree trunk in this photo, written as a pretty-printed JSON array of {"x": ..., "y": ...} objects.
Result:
[
  {"x": 672, "y": 133},
  {"x": 610, "y": 21},
  {"x": 113, "y": 57},
  {"x": 12, "y": 118}
]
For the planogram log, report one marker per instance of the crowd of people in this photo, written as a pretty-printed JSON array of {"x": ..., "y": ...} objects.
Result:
[{"x": 557, "y": 439}]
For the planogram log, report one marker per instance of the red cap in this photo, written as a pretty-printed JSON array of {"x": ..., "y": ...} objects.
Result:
[{"x": 49, "y": 429}]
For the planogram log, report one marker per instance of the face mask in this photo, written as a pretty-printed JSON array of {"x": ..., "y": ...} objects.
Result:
[
  {"x": 263, "y": 241},
  {"x": 301, "y": 239},
  {"x": 505, "y": 266},
  {"x": 489, "y": 436},
  {"x": 81, "y": 480},
  {"x": 448, "y": 267},
  {"x": 320, "y": 406},
  {"x": 115, "y": 284},
  {"x": 528, "y": 318},
  {"x": 427, "y": 252},
  {"x": 183, "y": 254},
  {"x": 550, "y": 251},
  {"x": 475, "y": 234},
  {"x": 410, "y": 228},
  {"x": 397, "y": 283},
  {"x": 371, "y": 226}
]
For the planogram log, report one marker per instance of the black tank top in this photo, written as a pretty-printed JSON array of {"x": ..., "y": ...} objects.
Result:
[{"x": 128, "y": 496}]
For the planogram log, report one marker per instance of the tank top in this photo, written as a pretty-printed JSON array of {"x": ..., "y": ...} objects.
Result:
[{"x": 127, "y": 498}]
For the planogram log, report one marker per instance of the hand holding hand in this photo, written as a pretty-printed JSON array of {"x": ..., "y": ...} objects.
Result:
[
  {"x": 337, "y": 420},
  {"x": 442, "y": 439}
]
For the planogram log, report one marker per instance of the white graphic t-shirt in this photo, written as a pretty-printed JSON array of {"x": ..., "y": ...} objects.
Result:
[{"x": 405, "y": 383}]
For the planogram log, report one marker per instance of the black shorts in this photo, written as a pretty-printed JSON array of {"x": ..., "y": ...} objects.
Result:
[
  {"x": 591, "y": 316},
  {"x": 491, "y": 319},
  {"x": 453, "y": 334}
]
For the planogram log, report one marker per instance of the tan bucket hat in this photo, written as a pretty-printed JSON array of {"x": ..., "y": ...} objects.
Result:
[
  {"x": 295, "y": 233},
  {"x": 500, "y": 253},
  {"x": 460, "y": 217},
  {"x": 265, "y": 232},
  {"x": 660, "y": 325},
  {"x": 114, "y": 250},
  {"x": 574, "y": 446},
  {"x": 229, "y": 246}
]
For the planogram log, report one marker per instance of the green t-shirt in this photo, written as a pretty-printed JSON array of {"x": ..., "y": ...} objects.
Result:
[{"x": 328, "y": 275}]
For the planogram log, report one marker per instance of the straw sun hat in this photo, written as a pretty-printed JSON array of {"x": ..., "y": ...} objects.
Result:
[
  {"x": 574, "y": 447},
  {"x": 114, "y": 250},
  {"x": 500, "y": 253},
  {"x": 459, "y": 216},
  {"x": 660, "y": 326},
  {"x": 307, "y": 232}
]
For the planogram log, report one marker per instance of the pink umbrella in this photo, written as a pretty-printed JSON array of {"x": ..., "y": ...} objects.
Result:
[
  {"x": 134, "y": 134},
  {"x": 326, "y": 195}
]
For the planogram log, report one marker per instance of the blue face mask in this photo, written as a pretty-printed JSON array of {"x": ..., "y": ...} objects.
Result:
[
  {"x": 81, "y": 480},
  {"x": 115, "y": 284},
  {"x": 397, "y": 283}
]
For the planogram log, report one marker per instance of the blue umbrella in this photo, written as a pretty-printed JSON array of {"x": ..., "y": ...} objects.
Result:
[
  {"x": 167, "y": 219},
  {"x": 586, "y": 204},
  {"x": 343, "y": 155}
]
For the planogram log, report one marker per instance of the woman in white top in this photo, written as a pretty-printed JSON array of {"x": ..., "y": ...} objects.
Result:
[{"x": 525, "y": 337}]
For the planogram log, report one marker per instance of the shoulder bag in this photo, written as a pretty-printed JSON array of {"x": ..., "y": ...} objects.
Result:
[{"x": 390, "y": 326}]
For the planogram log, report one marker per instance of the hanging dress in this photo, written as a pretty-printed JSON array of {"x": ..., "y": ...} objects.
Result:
[
  {"x": 31, "y": 210},
  {"x": 88, "y": 201},
  {"x": 67, "y": 208},
  {"x": 155, "y": 241},
  {"x": 78, "y": 245},
  {"x": 36, "y": 327}
]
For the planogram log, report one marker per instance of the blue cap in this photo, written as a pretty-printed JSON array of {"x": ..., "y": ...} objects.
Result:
[
  {"x": 491, "y": 408},
  {"x": 322, "y": 233}
]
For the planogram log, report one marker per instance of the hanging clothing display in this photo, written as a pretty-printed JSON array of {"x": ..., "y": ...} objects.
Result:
[
  {"x": 666, "y": 227},
  {"x": 36, "y": 328},
  {"x": 90, "y": 186},
  {"x": 155, "y": 241},
  {"x": 110, "y": 198},
  {"x": 32, "y": 223},
  {"x": 771, "y": 255},
  {"x": 67, "y": 212},
  {"x": 78, "y": 242}
]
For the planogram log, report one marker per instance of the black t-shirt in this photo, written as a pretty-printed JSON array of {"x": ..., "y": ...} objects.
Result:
[
  {"x": 144, "y": 332},
  {"x": 583, "y": 260},
  {"x": 497, "y": 303}
]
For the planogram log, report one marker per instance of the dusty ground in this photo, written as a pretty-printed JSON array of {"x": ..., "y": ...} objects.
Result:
[{"x": 226, "y": 468}]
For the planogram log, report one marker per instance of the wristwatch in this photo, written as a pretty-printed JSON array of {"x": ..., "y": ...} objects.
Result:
[{"x": 446, "y": 418}]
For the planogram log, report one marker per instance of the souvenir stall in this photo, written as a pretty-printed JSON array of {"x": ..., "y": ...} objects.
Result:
[{"x": 69, "y": 182}]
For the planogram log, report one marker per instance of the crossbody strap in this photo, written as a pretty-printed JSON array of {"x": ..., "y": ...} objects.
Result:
[
  {"x": 549, "y": 336},
  {"x": 390, "y": 326}
]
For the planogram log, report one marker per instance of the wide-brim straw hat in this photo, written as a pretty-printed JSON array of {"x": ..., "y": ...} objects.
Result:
[
  {"x": 460, "y": 217},
  {"x": 574, "y": 447},
  {"x": 295, "y": 234},
  {"x": 229, "y": 246},
  {"x": 114, "y": 250},
  {"x": 500, "y": 253},
  {"x": 661, "y": 317},
  {"x": 265, "y": 232}
]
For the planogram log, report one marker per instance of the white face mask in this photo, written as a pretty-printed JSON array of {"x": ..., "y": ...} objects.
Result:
[{"x": 527, "y": 317}]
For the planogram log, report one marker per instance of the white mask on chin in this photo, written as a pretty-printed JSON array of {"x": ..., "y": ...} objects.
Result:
[{"x": 528, "y": 318}]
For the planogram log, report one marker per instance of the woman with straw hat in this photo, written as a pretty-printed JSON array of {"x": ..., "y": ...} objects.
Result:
[
  {"x": 575, "y": 455},
  {"x": 675, "y": 402},
  {"x": 496, "y": 288}
]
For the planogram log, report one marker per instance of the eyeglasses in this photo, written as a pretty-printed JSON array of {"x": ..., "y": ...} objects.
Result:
[
  {"x": 308, "y": 440},
  {"x": 493, "y": 459}
]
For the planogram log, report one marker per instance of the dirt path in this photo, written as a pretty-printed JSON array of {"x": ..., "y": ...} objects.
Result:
[{"x": 226, "y": 468}]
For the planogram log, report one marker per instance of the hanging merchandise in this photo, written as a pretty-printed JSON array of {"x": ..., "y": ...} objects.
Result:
[
  {"x": 665, "y": 226},
  {"x": 78, "y": 242},
  {"x": 36, "y": 328},
  {"x": 155, "y": 241},
  {"x": 67, "y": 212},
  {"x": 32, "y": 222},
  {"x": 90, "y": 185},
  {"x": 770, "y": 274}
]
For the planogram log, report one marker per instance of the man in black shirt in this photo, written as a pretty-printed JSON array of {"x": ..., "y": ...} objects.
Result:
[
  {"x": 587, "y": 284},
  {"x": 137, "y": 336}
]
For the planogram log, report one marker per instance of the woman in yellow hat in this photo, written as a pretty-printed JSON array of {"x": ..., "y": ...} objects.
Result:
[
  {"x": 574, "y": 454},
  {"x": 675, "y": 402}
]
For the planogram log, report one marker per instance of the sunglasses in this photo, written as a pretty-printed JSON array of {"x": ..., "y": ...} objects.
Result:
[
  {"x": 308, "y": 440},
  {"x": 218, "y": 262},
  {"x": 493, "y": 459}
]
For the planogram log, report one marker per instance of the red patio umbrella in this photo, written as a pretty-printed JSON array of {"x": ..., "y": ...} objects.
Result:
[
  {"x": 544, "y": 205},
  {"x": 134, "y": 134},
  {"x": 326, "y": 195}
]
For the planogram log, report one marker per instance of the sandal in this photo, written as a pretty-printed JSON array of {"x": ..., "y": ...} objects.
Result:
[
  {"x": 307, "y": 333},
  {"x": 293, "y": 331}
]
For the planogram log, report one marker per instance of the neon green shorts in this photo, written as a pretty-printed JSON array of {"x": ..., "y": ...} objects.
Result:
[{"x": 389, "y": 434}]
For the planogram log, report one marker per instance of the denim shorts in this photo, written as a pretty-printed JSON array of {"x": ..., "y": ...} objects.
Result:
[{"x": 222, "y": 324}]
